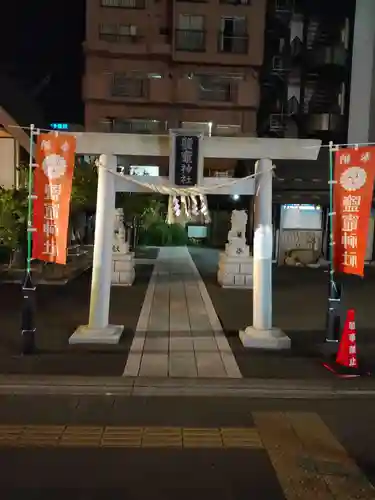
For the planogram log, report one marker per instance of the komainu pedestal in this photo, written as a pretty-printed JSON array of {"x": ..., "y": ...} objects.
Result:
[
  {"x": 236, "y": 263},
  {"x": 123, "y": 271}
]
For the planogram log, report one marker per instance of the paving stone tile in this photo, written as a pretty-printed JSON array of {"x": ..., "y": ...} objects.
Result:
[
  {"x": 133, "y": 364},
  {"x": 207, "y": 344},
  {"x": 182, "y": 365},
  {"x": 180, "y": 344},
  {"x": 230, "y": 365},
  {"x": 210, "y": 364},
  {"x": 156, "y": 344},
  {"x": 138, "y": 343},
  {"x": 154, "y": 365}
]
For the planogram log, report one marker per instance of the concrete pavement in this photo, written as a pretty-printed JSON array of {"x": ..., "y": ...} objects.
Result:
[{"x": 359, "y": 388}]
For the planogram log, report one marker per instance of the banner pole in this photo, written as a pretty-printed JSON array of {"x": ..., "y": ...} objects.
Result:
[
  {"x": 28, "y": 289},
  {"x": 334, "y": 289}
]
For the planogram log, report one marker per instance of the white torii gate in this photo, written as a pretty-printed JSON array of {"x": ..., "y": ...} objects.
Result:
[{"x": 261, "y": 333}]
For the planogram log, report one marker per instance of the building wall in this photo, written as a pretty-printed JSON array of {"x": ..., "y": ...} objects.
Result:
[
  {"x": 8, "y": 158},
  {"x": 170, "y": 87},
  {"x": 148, "y": 20},
  {"x": 362, "y": 114},
  {"x": 213, "y": 11}
]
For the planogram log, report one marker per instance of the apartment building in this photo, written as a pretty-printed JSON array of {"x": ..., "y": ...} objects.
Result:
[
  {"x": 306, "y": 71},
  {"x": 152, "y": 65}
]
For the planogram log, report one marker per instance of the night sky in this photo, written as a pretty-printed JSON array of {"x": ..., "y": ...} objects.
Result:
[{"x": 42, "y": 38}]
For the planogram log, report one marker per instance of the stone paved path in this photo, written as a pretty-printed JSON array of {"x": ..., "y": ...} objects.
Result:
[{"x": 178, "y": 332}]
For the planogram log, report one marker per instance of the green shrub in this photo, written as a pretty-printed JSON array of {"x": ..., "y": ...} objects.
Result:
[
  {"x": 155, "y": 234},
  {"x": 163, "y": 234},
  {"x": 5, "y": 254},
  {"x": 177, "y": 235}
]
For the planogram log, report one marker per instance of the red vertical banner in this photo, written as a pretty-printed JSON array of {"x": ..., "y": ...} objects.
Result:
[
  {"x": 352, "y": 200},
  {"x": 53, "y": 177}
]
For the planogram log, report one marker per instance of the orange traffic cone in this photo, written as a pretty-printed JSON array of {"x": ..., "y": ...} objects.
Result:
[{"x": 346, "y": 363}]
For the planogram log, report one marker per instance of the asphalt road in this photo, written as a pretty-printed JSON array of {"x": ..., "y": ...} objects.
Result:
[{"x": 56, "y": 446}]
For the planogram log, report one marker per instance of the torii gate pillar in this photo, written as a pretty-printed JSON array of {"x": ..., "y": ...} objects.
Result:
[
  {"x": 261, "y": 334},
  {"x": 98, "y": 331}
]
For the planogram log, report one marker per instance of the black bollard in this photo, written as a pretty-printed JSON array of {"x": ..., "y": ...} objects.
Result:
[
  {"x": 28, "y": 316},
  {"x": 334, "y": 313}
]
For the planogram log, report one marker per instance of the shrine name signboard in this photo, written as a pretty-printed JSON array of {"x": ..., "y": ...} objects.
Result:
[{"x": 186, "y": 160}]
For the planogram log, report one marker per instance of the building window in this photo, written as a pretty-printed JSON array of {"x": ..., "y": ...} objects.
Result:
[
  {"x": 215, "y": 88},
  {"x": 190, "y": 35},
  {"x": 124, "y": 85},
  {"x": 114, "y": 33},
  {"x": 233, "y": 36},
  {"x": 124, "y": 4}
]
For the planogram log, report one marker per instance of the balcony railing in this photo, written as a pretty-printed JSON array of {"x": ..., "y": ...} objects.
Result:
[
  {"x": 139, "y": 127},
  {"x": 236, "y": 2},
  {"x": 124, "y": 4},
  {"x": 117, "y": 38},
  {"x": 236, "y": 44},
  {"x": 133, "y": 126},
  {"x": 190, "y": 40},
  {"x": 129, "y": 87}
]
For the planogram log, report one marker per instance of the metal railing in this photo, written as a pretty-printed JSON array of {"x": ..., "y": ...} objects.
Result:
[
  {"x": 236, "y": 2},
  {"x": 124, "y": 4},
  {"x": 190, "y": 40},
  {"x": 118, "y": 38},
  {"x": 138, "y": 127},
  {"x": 238, "y": 44}
]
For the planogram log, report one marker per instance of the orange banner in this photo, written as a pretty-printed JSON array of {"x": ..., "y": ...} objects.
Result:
[
  {"x": 352, "y": 200},
  {"x": 53, "y": 178}
]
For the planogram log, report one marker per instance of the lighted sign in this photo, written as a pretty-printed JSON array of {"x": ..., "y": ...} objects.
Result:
[
  {"x": 301, "y": 207},
  {"x": 151, "y": 170},
  {"x": 197, "y": 232},
  {"x": 59, "y": 126},
  {"x": 307, "y": 217}
]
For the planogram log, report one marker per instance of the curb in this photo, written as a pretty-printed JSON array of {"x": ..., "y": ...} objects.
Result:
[{"x": 254, "y": 388}]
